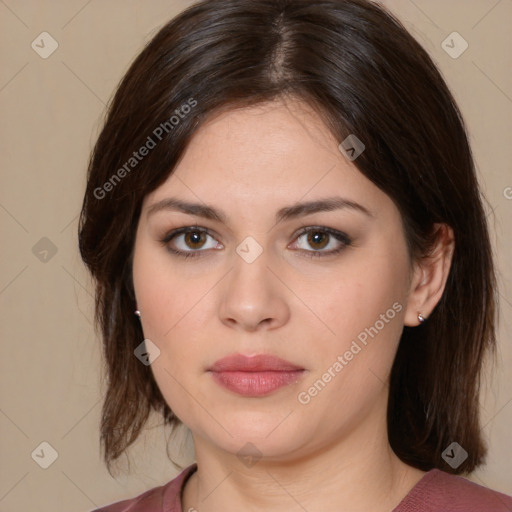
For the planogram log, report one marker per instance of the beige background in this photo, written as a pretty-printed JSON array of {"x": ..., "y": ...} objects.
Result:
[{"x": 51, "y": 111}]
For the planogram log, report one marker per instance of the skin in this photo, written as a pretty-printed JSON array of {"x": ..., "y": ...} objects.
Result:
[{"x": 333, "y": 450}]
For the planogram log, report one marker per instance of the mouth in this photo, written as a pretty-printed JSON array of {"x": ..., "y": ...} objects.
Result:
[{"x": 254, "y": 376}]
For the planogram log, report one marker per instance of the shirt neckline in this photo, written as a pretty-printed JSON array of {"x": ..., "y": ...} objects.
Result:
[{"x": 173, "y": 498}]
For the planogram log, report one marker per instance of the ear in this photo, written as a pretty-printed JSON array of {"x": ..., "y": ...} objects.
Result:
[{"x": 429, "y": 277}]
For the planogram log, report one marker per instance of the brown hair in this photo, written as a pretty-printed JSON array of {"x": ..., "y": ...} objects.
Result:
[{"x": 366, "y": 75}]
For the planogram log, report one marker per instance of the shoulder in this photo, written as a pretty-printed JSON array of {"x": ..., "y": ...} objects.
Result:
[
  {"x": 159, "y": 499},
  {"x": 438, "y": 491}
]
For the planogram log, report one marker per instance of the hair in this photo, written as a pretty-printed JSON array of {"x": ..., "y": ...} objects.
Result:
[{"x": 360, "y": 69}]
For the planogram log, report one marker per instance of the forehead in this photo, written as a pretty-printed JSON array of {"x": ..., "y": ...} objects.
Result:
[
  {"x": 274, "y": 152},
  {"x": 270, "y": 136}
]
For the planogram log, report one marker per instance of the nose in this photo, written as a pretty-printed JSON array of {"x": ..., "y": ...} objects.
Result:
[{"x": 252, "y": 297}]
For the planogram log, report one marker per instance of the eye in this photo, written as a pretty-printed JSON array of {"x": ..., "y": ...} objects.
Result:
[
  {"x": 192, "y": 241},
  {"x": 189, "y": 241},
  {"x": 324, "y": 241}
]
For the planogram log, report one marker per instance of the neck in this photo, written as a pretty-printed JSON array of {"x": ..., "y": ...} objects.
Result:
[{"x": 356, "y": 472}]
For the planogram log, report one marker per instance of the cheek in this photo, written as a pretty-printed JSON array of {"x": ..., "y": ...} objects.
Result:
[
  {"x": 173, "y": 313},
  {"x": 164, "y": 296},
  {"x": 166, "y": 323},
  {"x": 362, "y": 311},
  {"x": 362, "y": 294}
]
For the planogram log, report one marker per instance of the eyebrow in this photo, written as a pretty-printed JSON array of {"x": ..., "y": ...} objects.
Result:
[{"x": 286, "y": 213}]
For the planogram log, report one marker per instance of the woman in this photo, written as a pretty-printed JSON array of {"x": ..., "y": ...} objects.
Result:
[{"x": 283, "y": 205}]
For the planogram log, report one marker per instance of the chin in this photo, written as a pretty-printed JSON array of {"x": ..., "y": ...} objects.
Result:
[{"x": 265, "y": 433}]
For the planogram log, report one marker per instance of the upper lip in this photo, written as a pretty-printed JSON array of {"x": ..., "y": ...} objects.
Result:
[{"x": 256, "y": 363}]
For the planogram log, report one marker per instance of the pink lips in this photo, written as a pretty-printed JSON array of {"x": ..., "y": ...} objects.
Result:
[{"x": 256, "y": 375}]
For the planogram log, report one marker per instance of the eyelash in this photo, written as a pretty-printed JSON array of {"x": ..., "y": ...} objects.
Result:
[{"x": 338, "y": 235}]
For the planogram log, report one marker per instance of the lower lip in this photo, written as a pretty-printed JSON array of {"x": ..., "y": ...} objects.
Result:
[{"x": 256, "y": 383}]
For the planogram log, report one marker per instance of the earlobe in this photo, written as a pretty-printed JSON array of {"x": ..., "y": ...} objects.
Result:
[{"x": 430, "y": 277}]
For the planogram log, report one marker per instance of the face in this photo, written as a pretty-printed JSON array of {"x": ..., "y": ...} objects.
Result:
[{"x": 292, "y": 265}]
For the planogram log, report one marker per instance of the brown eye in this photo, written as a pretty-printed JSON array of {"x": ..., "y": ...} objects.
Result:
[
  {"x": 190, "y": 241},
  {"x": 195, "y": 239},
  {"x": 317, "y": 239},
  {"x": 312, "y": 240}
]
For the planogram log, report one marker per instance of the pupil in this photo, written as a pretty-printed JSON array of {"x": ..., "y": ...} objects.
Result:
[
  {"x": 196, "y": 237},
  {"x": 316, "y": 237}
]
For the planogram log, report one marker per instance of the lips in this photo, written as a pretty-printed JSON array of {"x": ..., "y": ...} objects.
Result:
[
  {"x": 254, "y": 376},
  {"x": 259, "y": 363}
]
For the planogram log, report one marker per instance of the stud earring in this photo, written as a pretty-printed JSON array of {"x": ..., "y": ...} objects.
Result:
[
  {"x": 137, "y": 312},
  {"x": 421, "y": 318}
]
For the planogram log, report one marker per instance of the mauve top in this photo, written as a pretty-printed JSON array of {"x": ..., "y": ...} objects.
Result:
[{"x": 437, "y": 491}]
